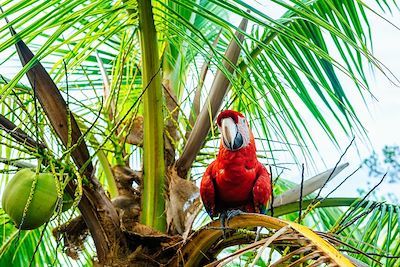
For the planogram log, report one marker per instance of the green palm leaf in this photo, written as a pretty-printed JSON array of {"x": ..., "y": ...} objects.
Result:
[{"x": 290, "y": 66}]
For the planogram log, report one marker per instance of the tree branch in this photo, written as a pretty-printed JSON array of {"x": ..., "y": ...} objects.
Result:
[{"x": 213, "y": 103}]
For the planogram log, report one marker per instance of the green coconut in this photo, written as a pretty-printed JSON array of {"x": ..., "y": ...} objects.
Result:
[{"x": 43, "y": 199}]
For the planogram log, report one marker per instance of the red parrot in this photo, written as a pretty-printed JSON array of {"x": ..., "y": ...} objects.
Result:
[{"x": 236, "y": 180}]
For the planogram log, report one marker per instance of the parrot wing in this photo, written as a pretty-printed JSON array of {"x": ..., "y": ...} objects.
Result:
[
  {"x": 262, "y": 190},
  {"x": 207, "y": 190}
]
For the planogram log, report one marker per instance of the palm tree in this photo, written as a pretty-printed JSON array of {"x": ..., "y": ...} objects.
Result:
[{"x": 121, "y": 85}]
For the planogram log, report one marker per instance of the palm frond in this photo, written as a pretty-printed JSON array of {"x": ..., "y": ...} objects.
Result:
[
  {"x": 374, "y": 229},
  {"x": 36, "y": 247},
  {"x": 304, "y": 245},
  {"x": 290, "y": 67}
]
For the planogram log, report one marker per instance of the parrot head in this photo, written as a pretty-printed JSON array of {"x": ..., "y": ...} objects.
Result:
[{"x": 234, "y": 129}]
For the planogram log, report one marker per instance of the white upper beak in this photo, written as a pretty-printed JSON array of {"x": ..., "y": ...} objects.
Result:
[{"x": 229, "y": 132}]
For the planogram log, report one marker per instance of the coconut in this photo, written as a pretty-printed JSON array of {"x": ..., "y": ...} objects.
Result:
[{"x": 43, "y": 198}]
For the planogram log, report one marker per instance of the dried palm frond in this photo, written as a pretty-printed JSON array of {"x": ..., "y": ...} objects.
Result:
[{"x": 297, "y": 244}]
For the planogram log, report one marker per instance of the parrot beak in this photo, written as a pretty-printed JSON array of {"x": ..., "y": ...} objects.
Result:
[{"x": 231, "y": 137}]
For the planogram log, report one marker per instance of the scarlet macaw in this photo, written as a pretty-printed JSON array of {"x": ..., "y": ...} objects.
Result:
[{"x": 236, "y": 180}]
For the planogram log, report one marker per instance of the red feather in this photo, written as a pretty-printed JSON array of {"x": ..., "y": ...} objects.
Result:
[
  {"x": 229, "y": 114},
  {"x": 236, "y": 179}
]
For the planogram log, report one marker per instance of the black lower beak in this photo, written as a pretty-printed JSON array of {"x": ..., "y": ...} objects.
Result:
[{"x": 238, "y": 142}]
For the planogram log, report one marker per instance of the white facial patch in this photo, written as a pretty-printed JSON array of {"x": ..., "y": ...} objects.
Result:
[{"x": 243, "y": 128}]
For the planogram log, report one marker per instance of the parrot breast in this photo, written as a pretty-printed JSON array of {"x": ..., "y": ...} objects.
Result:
[{"x": 235, "y": 175}]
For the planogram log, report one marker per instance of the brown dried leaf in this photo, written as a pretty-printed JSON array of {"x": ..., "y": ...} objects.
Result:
[
  {"x": 124, "y": 177},
  {"x": 135, "y": 135},
  {"x": 182, "y": 203},
  {"x": 73, "y": 234},
  {"x": 149, "y": 237}
]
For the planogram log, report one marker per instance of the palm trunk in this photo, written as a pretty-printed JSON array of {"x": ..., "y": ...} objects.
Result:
[{"x": 153, "y": 204}]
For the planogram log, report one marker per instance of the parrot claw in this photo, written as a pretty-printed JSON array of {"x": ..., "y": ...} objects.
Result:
[
  {"x": 222, "y": 219},
  {"x": 232, "y": 213},
  {"x": 225, "y": 217}
]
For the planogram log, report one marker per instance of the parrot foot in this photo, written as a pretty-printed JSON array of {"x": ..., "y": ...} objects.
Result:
[
  {"x": 222, "y": 219},
  {"x": 225, "y": 217},
  {"x": 232, "y": 213}
]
